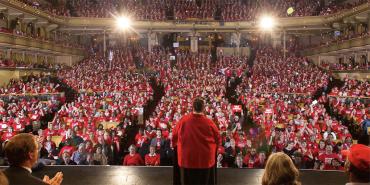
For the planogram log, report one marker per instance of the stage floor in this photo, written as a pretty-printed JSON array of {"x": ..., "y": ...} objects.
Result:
[{"x": 120, "y": 175}]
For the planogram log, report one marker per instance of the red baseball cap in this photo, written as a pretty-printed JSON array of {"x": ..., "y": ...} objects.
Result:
[{"x": 359, "y": 156}]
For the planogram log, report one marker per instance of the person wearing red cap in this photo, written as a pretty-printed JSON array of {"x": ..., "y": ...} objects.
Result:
[
  {"x": 358, "y": 164},
  {"x": 197, "y": 138}
]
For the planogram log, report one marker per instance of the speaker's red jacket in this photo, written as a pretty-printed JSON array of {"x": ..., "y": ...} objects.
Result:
[{"x": 196, "y": 138}]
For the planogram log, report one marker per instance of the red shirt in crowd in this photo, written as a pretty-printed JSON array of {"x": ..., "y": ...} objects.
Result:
[
  {"x": 196, "y": 138},
  {"x": 326, "y": 159},
  {"x": 133, "y": 160},
  {"x": 7, "y": 136},
  {"x": 69, "y": 149},
  {"x": 251, "y": 162},
  {"x": 152, "y": 160}
]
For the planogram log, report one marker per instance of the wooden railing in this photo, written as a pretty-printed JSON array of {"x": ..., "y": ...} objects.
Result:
[
  {"x": 186, "y": 24},
  {"x": 339, "y": 45},
  {"x": 11, "y": 39}
]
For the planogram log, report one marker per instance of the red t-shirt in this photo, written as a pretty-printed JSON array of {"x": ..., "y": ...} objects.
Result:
[
  {"x": 133, "y": 160},
  {"x": 326, "y": 159},
  {"x": 69, "y": 149},
  {"x": 7, "y": 136},
  {"x": 251, "y": 162},
  {"x": 196, "y": 138},
  {"x": 152, "y": 160}
]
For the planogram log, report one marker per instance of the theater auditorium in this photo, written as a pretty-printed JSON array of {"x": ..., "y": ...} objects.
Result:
[{"x": 184, "y": 92}]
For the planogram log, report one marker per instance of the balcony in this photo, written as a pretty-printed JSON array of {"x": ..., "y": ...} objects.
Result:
[
  {"x": 8, "y": 40},
  {"x": 289, "y": 23},
  {"x": 335, "y": 47}
]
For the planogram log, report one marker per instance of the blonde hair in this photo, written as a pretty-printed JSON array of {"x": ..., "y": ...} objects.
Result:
[{"x": 280, "y": 170}]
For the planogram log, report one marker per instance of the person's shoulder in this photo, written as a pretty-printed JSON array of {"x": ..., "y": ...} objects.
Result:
[
  {"x": 186, "y": 116},
  {"x": 20, "y": 176}
]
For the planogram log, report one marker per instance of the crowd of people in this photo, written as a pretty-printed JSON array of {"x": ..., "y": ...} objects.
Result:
[
  {"x": 9, "y": 63},
  {"x": 352, "y": 87},
  {"x": 351, "y": 100},
  {"x": 111, "y": 96},
  {"x": 272, "y": 73},
  {"x": 234, "y": 10},
  {"x": 25, "y": 102},
  {"x": 346, "y": 66},
  {"x": 338, "y": 36},
  {"x": 95, "y": 128},
  {"x": 289, "y": 120},
  {"x": 193, "y": 76},
  {"x": 25, "y": 113},
  {"x": 60, "y": 10},
  {"x": 32, "y": 84}
]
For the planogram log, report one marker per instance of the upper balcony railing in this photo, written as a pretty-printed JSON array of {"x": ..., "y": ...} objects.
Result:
[
  {"x": 338, "y": 45},
  {"x": 186, "y": 24},
  {"x": 28, "y": 42}
]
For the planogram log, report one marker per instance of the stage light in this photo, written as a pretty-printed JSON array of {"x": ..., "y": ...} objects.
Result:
[
  {"x": 267, "y": 23},
  {"x": 123, "y": 23}
]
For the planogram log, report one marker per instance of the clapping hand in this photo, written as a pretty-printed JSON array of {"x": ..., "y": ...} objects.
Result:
[{"x": 56, "y": 180}]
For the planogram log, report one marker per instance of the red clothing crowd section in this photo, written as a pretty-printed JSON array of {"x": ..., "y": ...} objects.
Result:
[
  {"x": 273, "y": 73},
  {"x": 231, "y": 10},
  {"x": 24, "y": 102},
  {"x": 19, "y": 113},
  {"x": 29, "y": 85},
  {"x": 280, "y": 113}
]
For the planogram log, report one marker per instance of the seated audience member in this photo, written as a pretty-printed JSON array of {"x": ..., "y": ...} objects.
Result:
[
  {"x": 289, "y": 149},
  {"x": 358, "y": 164},
  {"x": 252, "y": 160},
  {"x": 220, "y": 158},
  {"x": 279, "y": 170},
  {"x": 99, "y": 158},
  {"x": 298, "y": 160},
  {"x": 66, "y": 159},
  {"x": 132, "y": 159},
  {"x": 327, "y": 157},
  {"x": 239, "y": 162},
  {"x": 152, "y": 159},
  {"x": 22, "y": 153},
  {"x": 80, "y": 156}
]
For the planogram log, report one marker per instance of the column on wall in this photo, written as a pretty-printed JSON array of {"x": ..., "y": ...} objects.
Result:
[
  {"x": 355, "y": 57},
  {"x": 235, "y": 41},
  {"x": 368, "y": 59},
  {"x": 104, "y": 43},
  {"x": 368, "y": 23},
  {"x": 8, "y": 53},
  {"x": 152, "y": 40},
  {"x": 193, "y": 42}
]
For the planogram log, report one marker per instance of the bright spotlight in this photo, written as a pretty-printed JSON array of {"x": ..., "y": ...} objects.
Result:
[
  {"x": 267, "y": 23},
  {"x": 123, "y": 22}
]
